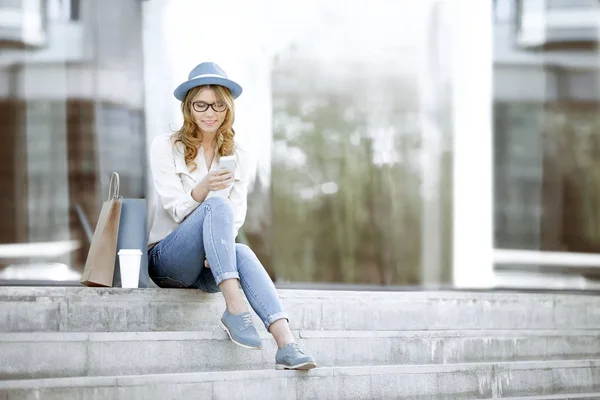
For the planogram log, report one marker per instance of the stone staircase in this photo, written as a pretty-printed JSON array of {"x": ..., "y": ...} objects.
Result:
[{"x": 88, "y": 343}]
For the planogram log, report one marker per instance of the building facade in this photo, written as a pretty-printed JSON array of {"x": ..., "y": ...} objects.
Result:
[{"x": 394, "y": 143}]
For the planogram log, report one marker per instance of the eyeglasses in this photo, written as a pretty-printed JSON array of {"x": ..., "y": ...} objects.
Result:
[{"x": 201, "y": 106}]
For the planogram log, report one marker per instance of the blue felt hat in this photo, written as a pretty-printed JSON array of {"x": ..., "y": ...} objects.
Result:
[{"x": 207, "y": 73}]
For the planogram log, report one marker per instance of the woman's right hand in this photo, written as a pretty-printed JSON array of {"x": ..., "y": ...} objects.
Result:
[
  {"x": 217, "y": 180},
  {"x": 213, "y": 181}
]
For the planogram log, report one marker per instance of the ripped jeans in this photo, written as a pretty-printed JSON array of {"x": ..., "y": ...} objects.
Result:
[{"x": 177, "y": 261}]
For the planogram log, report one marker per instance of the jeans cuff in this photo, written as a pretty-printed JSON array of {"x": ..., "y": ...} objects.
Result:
[
  {"x": 225, "y": 276},
  {"x": 275, "y": 317}
]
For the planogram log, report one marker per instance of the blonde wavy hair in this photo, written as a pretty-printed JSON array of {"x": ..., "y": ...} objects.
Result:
[{"x": 191, "y": 136}]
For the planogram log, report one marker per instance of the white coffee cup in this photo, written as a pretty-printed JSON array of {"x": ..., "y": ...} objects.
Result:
[{"x": 129, "y": 262}]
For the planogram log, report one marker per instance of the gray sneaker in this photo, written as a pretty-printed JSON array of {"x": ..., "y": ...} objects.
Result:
[
  {"x": 291, "y": 356},
  {"x": 241, "y": 330}
]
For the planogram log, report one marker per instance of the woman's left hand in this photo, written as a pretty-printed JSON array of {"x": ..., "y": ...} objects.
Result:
[{"x": 206, "y": 264}]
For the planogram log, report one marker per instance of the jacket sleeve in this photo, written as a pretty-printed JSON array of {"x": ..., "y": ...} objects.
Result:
[
  {"x": 239, "y": 193},
  {"x": 167, "y": 183}
]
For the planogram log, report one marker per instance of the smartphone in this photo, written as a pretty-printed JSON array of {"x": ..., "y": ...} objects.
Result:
[{"x": 228, "y": 162}]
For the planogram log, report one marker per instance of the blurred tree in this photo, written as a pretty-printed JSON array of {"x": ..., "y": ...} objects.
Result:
[{"x": 345, "y": 193}]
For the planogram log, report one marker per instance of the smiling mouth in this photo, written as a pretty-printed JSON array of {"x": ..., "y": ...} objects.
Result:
[{"x": 209, "y": 122}]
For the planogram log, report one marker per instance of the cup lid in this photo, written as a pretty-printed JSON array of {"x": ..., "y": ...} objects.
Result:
[{"x": 130, "y": 252}]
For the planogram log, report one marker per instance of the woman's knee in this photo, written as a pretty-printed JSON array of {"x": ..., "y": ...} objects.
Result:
[
  {"x": 243, "y": 252},
  {"x": 219, "y": 205},
  {"x": 246, "y": 257}
]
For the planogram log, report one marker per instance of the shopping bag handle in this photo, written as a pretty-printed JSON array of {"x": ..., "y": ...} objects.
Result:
[{"x": 115, "y": 193}]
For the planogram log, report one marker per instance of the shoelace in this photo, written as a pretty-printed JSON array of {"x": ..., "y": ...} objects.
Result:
[
  {"x": 296, "y": 346},
  {"x": 247, "y": 320}
]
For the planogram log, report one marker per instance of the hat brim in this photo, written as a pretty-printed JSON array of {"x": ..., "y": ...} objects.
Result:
[{"x": 181, "y": 91}]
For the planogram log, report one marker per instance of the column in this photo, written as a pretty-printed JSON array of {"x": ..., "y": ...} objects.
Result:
[{"x": 472, "y": 126}]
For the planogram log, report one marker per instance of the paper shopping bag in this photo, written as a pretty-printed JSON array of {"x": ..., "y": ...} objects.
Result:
[{"x": 100, "y": 263}]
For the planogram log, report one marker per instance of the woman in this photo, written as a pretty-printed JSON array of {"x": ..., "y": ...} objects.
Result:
[{"x": 199, "y": 210}]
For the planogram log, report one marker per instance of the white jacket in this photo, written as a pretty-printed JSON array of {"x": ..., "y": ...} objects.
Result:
[{"x": 173, "y": 182}]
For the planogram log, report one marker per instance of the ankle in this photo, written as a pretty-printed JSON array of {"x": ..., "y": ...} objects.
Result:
[
  {"x": 284, "y": 343},
  {"x": 237, "y": 309}
]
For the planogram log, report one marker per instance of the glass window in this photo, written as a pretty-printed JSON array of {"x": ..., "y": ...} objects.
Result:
[
  {"x": 348, "y": 111},
  {"x": 547, "y": 138},
  {"x": 347, "y": 183}
]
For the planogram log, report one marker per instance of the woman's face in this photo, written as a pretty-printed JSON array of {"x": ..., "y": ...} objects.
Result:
[{"x": 208, "y": 112}]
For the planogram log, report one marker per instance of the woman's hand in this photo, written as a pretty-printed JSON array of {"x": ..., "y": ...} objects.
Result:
[
  {"x": 217, "y": 180},
  {"x": 206, "y": 264},
  {"x": 213, "y": 181}
]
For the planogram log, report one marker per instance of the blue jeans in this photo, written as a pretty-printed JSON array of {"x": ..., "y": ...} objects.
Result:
[{"x": 177, "y": 261}]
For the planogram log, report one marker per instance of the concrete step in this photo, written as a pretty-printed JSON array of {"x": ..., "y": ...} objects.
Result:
[
  {"x": 74, "y": 309},
  {"x": 544, "y": 380},
  {"x": 64, "y": 354},
  {"x": 572, "y": 396}
]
